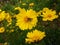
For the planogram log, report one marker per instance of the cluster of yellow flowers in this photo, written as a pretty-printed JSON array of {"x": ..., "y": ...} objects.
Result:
[
  {"x": 27, "y": 19},
  {"x": 5, "y": 16},
  {"x": 35, "y": 36}
]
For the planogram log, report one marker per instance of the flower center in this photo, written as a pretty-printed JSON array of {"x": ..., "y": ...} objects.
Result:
[
  {"x": 27, "y": 19},
  {"x": 49, "y": 16}
]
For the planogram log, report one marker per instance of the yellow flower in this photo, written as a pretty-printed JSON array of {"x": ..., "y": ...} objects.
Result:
[
  {"x": 2, "y": 29},
  {"x": 48, "y": 14},
  {"x": 44, "y": 10},
  {"x": 31, "y": 4},
  {"x": 26, "y": 19},
  {"x": 6, "y": 43},
  {"x": 23, "y": 3},
  {"x": 2, "y": 15},
  {"x": 59, "y": 13},
  {"x": 20, "y": 10},
  {"x": 34, "y": 36},
  {"x": 20, "y": 1},
  {"x": 8, "y": 18},
  {"x": 39, "y": 13},
  {"x": 0, "y": 10},
  {"x": 12, "y": 30}
]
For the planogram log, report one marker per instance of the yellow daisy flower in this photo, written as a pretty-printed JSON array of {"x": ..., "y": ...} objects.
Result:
[
  {"x": 2, "y": 29},
  {"x": 48, "y": 15},
  {"x": 12, "y": 30},
  {"x": 31, "y": 4},
  {"x": 39, "y": 13},
  {"x": 59, "y": 13},
  {"x": 2, "y": 15},
  {"x": 8, "y": 18},
  {"x": 6, "y": 43},
  {"x": 34, "y": 36},
  {"x": 23, "y": 3},
  {"x": 0, "y": 10},
  {"x": 26, "y": 19},
  {"x": 20, "y": 1},
  {"x": 45, "y": 9}
]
